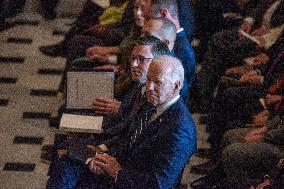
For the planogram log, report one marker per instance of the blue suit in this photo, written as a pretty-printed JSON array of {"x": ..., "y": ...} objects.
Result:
[
  {"x": 184, "y": 52},
  {"x": 154, "y": 160},
  {"x": 185, "y": 13}
]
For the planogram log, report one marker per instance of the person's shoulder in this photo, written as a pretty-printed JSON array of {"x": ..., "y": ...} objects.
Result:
[{"x": 179, "y": 114}]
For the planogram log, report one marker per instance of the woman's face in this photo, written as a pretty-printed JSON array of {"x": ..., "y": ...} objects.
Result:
[{"x": 138, "y": 12}]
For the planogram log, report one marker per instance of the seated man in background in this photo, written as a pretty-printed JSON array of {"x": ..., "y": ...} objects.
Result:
[
  {"x": 261, "y": 148},
  {"x": 182, "y": 48},
  {"x": 98, "y": 54},
  {"x": 229, "y": 48},
  {"x": 89, "y": 19},
  {"x": 160, "y": 143}
]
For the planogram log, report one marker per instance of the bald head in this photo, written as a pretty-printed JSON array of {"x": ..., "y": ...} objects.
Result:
[
  {"x": 164, "y": 79},
  {"x": 161, "y": 28}
]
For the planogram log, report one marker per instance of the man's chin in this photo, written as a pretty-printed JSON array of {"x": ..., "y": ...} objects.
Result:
[{"x": 152, "y": 102}]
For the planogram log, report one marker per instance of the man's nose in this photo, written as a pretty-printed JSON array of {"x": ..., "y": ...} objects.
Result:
[
  {"x": 134, "y": 63},
  {"x": 151, "y": 86},
  {"x": 139, "y": 12}
]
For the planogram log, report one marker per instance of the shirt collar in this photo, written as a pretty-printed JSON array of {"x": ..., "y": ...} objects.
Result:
[
  {"x": 162, "y": 108},
  {"x": 180, "y": 30},
  {"x": 143, "y": 89}
]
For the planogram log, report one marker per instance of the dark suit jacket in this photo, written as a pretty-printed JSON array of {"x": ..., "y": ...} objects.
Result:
[
  {"x": 158, "y": 156},
  {"x": 185, "y": 13},
  {"x": 185, "y": 53},
  {"x": 126, "y": 105},
  {"x": 274, "y": 68}
]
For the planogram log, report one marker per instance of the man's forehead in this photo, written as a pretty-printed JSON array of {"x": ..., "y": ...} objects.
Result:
[
  {"x": 157, "y": 71},
  {"x": 142, "y": 49}
]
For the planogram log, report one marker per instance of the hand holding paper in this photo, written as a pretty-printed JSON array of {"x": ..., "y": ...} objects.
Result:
[{"x": 106, "y": 106}]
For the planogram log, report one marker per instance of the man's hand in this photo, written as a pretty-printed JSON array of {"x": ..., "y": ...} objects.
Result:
[
  {"x": 106, "y": 106},
  {"x": 271, "y": 99},
  {"x": 97, "y": 53},
  {"x": 262, "y": 58},
  {"x": 238, "y": 70},
  {"x": 261, "y": 118},
  {"x": 256, "y": 135},
  {"x": 108, "y": 67},
  {"x": 94, "y": 167},
  {"x": 105, "y": 163},
  {"x": 260, "y": 31},
  {"x": 246, "y": 27},
  {"x": 97, "y": 31},
  {"x": 251, "y": 78}
]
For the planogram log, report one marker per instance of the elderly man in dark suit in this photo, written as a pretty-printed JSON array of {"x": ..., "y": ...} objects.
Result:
[
  {"x": 117, "y": 112},
  {"x": 182, "y": 48},
  {"x": 159, "y": 144}
]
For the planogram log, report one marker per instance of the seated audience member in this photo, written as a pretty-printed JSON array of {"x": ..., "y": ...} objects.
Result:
[
  {"x": 229, "y": 48},
  {"x": 258, "y": 62},
  {"x": 160, "y": 143},
  {"x": 165, "y": 31},
  {"x": 261, "y": 148},
  {"x": 88, "y": 17},
  {"x": 106, "y": 35},
  {"x": 89, "y": 20},
  {"x": 117, "y": 112},
  {"x": 106, "y": 54},
  {"x": 238, "y": 106},
  {"x": 212, "y": 16},
  {"x": 103, "y": 54},
  {"x": 182, "y": 48}
]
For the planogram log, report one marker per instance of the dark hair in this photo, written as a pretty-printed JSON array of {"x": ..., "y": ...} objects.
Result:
[
  {"x": 171, "y": 5},
  {"x": 149, "y": 40},
  {"x": 158, "y": 47}
]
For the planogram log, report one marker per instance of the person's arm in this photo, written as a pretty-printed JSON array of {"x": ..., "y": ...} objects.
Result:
[
  {"x": 107, "y": 107},
  {"x": 168, "y": 162}
]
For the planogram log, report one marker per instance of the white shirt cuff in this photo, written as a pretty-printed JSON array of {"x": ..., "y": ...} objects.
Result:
[{"x": 249, "y": 20}]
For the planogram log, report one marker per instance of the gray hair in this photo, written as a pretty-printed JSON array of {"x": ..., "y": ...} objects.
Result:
[
  {"x": 174, "y": 71},
  {"x": 171, "y": 5},
  {"x": 168, "y": 28}
]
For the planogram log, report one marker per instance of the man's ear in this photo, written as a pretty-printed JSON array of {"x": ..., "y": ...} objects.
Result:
[
  {"x": 164, "y": 12},
  {"x": 166, "y": 41},
  {"x": 177, "y": 86}
]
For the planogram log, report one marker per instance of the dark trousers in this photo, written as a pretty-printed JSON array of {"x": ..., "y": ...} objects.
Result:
[
  {"x": 233, "y": 108},
  {"x": 88, "y": 17},
  {"x": 48, "y": 8},
  {"x": 225, "y": 50}
]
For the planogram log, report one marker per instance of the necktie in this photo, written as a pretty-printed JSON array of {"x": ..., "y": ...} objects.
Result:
[{"x": 141, "y": 123}]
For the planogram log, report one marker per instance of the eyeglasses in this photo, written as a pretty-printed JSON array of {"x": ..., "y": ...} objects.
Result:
[{"x": 141, "y": 59}]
